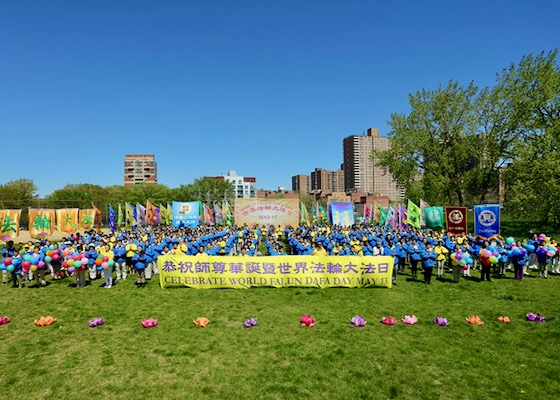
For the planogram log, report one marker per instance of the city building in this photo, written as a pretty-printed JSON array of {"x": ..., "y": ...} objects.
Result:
[
  {"x": 360, "y": 171},
  {"x": 243, "y": 186},
  {"x": 281, "y": 193},
  {"x": 321, "y": 179},
  {"x": 301, "y": 183},
  {"x": 139, "y": 168}
]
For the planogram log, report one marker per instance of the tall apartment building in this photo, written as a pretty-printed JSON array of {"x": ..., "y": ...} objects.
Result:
[
  {"x": 244, "y": 187},
  {"x": 301, "y": 183},
  {"x": 321, "y": 179},
  {"x": 360, "y": 171},
  {"x": 139, "y": 168}
]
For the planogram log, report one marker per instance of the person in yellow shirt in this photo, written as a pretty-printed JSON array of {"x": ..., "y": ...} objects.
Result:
[
  {"x": 441, "y": 253},
  {"x": 131, "y": 249},
  {"x": 319, "y": 250}
]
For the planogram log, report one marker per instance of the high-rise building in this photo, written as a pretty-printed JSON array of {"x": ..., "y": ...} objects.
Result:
[
  {"x": 139, "y": 168},
  {"x": 321, "y": 179},
  {"x": 360, "y": 171},
  {"x": 244, "y": 187},
  {"x": 301, "y": 183}
]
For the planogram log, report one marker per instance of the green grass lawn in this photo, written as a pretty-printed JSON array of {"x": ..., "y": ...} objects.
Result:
[{"x": 278, "y": 359}]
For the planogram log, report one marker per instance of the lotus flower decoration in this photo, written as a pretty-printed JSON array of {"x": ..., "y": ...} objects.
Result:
[
  {"x": 441, "y": 321},
  {"x": 95, "y": 322},
  {"x": 4, "y": 320},
  {"x": 250, "y": 322},
  {"x": 410, "y": 319},
  {"x": 535, "y": 317},
  {"x": 474, "y": 320},
  {"x": 358, "y": 321},
  {"x": 388, "y": 320},
  {"x": 44, "y": 321},
  {"x": 504, "y": 319},
  {"x": 149, "y": 323},
  {"x": 201, "y": 322},
  {"x": 307, "y": 320}
]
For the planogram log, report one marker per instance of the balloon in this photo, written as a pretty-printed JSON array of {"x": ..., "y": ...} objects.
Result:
[
  {"x": 77, "y": 257},
  {"x": 41, "y": 264},
  {"x": 550, "y": 253},
  {"x": 56, "y": 258},
  {"x": 26, "y": 264},
  {"x": 510, "y": 240},
  {"x": 524, "y": 245},
  {"x": 111, "y": 263},
  {"x": 492, "y": 259},
  {"x": 465, "y": 256},
  {"x": 462, "y": 263},
  {"x": 553, "y": 249},
  {"x": 7, "y": 261},
  {"x": 454, "y": 262},
  {"x": 77, "y": 264},
  {"x": 71, "y": 270},
  {"x": 465, "y": 267},
  {"x": 65, "y": 264},
  {"x": 470, "y": 261},
  {"x": 105, "y": 259},
  {"x": 100, "y": 256},
  {"x": 85, "y": 261},
  {"x": 98, "y": 262},
  {"x": 487, "y": 253},
  {"x": 458, "y": 256},
  {"x": 10, "y": 268},
  {"x": 33, "y": 268},
  {"x": 547, "y": 239},
  {"x": 50, "y": 253},
  {"x": 516, "y": 251},
  {"x": 105, "y": 265},
  {"x": 22, "y": 252},
  {"x": 523, "y": 252},
  {"x": 495, "y": 253},
  {"x": 48, "y": 259},
  {"x": 3, "y": 267},
  {"x": 27, "y": 257},
  {"x": 98, "y": 268},
  {"x": 530, "y": 248},
  {"x": 16, "y": 261},
  {"x": 491, "y": 248},
  {"x": 70, "y": 262}
]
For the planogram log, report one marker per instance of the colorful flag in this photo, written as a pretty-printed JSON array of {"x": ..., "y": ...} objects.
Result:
[
  {"x": 153, "y": 214},
  {"x": 423, "y": 206},
  {"x": 67, "y": 219},
  {"x": 367, "y": 212},
  {"x": 456, "y": 219},
  {"x": 487, "y": 220},
  {"x": 208, "y": 215},
  {"x": 228, "y": 214},
  {"x": 164, "y": 215},
  {"x": 391, "y": 217},
  {"x": 87, "y": 218},
  {"x": 303, "y": 214},
  {"x": 130, "y": 215},
  {"x": 186, "y": 213},
  {"x": 218, "y": 214},
  {"x": 97, "y": 216},
  {"x": 324, "y": 217},
  {"x": 377, "y": 213},
  {"x": 119, "y": 216},
  {"x": 41, "y": 222},
  {"x": 382, "y": 215},
  {"x": 9, "y": 224},
  {"x": 433, "y": 217},
  {"x": 112, "y": 219},
  {"x": 140, "y": 214},
  {"x": 342, "y": 213},
  {"x": 413, "y": 215},
  {"x": 314, "y": 217},
  {"x": 403, "y": 221}
]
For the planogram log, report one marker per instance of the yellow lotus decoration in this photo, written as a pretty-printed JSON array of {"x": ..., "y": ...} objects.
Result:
[
  {"x": 474, "y": 320},
  {"x": 44, "y": 321},
  {"x": 201, "y": 321}
]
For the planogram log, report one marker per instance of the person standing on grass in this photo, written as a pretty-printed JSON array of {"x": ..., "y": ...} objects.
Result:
[
  {"x": 39, "y": 273},
  {"x": 107, "y": 272},
  {"x": 441, "y": 252},
  {"x": 428, "y": 261},
  {"x": 139, "y": 261},
  {"x": 119, "y": 256},
  {"x": 81, "y": 271},
  {"x": 542, "y": 259},
  {"x": 518, "y": 259},
  {"x": 485, "y": 264},
  {"x": 391, "y": 250},
  {"x": 455, "y": 266},
  {"x": 91, "y": 255},
  {"x": 7, "y": 252},
  {"x": 555, "y": 260},
  {"x": 131, "y": 249},
  {"x": 414, "y": 250}
]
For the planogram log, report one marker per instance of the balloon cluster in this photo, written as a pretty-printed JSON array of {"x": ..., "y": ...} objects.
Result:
[
  {"x": 490, "y": 254},
  {"x": 31, "y": 263},
  {"x": 10, "y": 263},
  {"x": 461, "y": 258},
  {"x": 103, "y": 262},
  {"x": 74, "y": 261}
]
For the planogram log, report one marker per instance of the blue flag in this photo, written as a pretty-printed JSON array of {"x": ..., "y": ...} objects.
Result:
[
  {"x": 487, "y": 220},
  {"x": 112, "y": 219}
]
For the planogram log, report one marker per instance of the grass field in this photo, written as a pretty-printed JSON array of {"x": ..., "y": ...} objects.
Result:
[{"x": 278, "y": 359}]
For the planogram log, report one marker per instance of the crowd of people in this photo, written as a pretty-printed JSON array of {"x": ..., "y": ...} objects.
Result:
[{"x": 114, "y": 256}]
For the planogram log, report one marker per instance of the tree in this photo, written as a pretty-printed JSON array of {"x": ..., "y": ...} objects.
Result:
[
  {"x": 211, "y": 190},
  {"x": 19, "y": 194},
  {"x": 531, "y": 91}
]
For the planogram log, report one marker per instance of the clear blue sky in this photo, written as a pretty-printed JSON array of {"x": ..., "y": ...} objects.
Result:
[{"x": 266, "y": 88}]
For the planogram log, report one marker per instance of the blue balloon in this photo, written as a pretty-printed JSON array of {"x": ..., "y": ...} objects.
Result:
[
  {"x": 34, "y": 260},
  {"x": 16, "y": 261},
  {"x": 2, "y": 267},
  {"x": 530, "y": 248},
  {"x": 516, "y": 251}
]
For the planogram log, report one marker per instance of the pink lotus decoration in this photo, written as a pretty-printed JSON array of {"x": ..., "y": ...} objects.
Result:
[
  {"x": 535, "y": 317},
  {"x": 307, "y": 320},
  {"x": 149, "y": 323},
  {"x": 250, "y": 322},
  {"x": 441, "y": 321},
  {"x": 410, "y": 319},
  {"x": 358, "y": 321},
  {"x": 95, "y": 322},
  {"x": 4, "y": 320},
  {"x": 388, "y": 321}
]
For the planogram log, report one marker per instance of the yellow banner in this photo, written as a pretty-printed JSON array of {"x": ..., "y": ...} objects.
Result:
[
  {"x": 9, "y": 224},
  {"x": 87, "y": 218},
  {"x": 207, "y": 272},
  {"x": 259, "y": 211},
  {"x": 67, "y": 220},
  {"x": 41, "y": 222}
]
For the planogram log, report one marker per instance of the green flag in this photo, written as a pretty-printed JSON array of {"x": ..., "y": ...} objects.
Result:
[
  {"x": 433, "y": 216},
  {"x": 304, "y": 216},
  {"x": 413, "y": 214},
  {"x": 382, "y": 215},
  {"x": 119, "y": 216}
]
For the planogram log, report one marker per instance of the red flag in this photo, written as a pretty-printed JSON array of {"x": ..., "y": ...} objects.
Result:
[
  {"x": 367, "y": 212},
  {"x": 456, "y": 219}
]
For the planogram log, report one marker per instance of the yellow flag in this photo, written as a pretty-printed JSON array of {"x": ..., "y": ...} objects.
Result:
[
  {"x": 41, "y": 222},
  {"x": 67, "y": 219},
  {"x": 87, "y": 218},
  {"x": 9, "y": 224}
]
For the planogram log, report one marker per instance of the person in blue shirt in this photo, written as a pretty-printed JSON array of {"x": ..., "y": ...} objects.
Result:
[
  {"x": 428, "y": 261},
  {"x": 139, "y": 261},
  {"x": 414, "y": 250}
]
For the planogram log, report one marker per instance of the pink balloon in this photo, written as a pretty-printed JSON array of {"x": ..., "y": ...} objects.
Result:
[
  {"x": 550, "y": 253},
  {"x": 56, "y": 257},
  {"x": 85, "y": 261},
  {"x": 41, "y": 264},
  {"x": 26, "y": 264},
  {"x": 105, "y": 265}
]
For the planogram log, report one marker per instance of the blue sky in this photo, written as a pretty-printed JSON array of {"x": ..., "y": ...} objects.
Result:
[{"x": 266, "y": 88}]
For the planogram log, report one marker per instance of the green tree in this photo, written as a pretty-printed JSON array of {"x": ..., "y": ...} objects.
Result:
[
  {"x": 211, "y": 190},
  {"x": 19, "y": 194}
]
